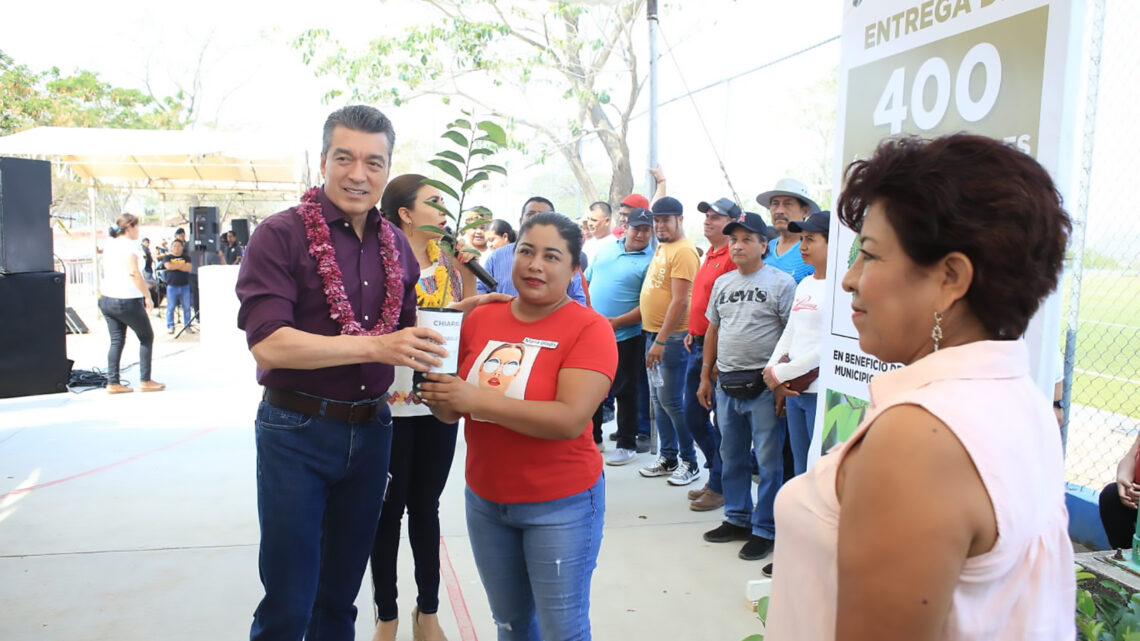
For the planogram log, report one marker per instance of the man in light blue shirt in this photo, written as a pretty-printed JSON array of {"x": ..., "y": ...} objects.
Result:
[
  {"x": 502, "y": 261},
  {"x": 614, "y": 279},
  {"x": 788, "y": 202}
]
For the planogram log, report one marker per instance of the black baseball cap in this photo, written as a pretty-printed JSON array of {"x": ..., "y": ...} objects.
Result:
[
  {"x": 818, "y": 223},
  {"x": 638, "y": 217},
  {"x": 723, "y": 206},
  {"x": 667, "y": 206},
  {"x": 751, "y": 222}
]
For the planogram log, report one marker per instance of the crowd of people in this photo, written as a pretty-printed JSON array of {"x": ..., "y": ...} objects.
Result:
[{"x": 717, "y": 350}]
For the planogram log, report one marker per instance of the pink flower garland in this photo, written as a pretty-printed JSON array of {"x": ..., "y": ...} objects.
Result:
[{"x": 321, "y": 249}]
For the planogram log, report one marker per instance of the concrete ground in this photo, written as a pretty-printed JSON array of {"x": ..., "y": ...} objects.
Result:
[{"x": 133, "y": 517}]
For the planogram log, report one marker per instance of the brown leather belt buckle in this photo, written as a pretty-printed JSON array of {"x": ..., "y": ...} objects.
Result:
[{"x": 361, "y": 412}]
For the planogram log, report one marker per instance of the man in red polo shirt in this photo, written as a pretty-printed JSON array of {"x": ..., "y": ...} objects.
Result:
[{"x": 705, "y": 432}]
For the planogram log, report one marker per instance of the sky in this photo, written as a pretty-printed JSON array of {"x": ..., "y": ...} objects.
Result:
[{"x": 761, "y": 126}]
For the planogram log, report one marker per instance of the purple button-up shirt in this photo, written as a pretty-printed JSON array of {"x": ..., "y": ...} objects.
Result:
[{"x": 279, "y": 286}]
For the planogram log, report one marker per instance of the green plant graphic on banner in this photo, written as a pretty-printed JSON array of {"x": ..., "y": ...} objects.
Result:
[{"x": 842, "y": 415}]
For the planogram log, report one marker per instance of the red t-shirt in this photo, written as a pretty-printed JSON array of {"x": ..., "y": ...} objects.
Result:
[
  {"x": 716, "y": 263},
  {"x": 498, "y": 351}
]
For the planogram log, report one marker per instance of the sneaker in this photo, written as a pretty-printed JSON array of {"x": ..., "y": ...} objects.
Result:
[
  {"x": 767, "y": 570},
  {"x": 726, "y": 532},
  {"x": 621, "y": 456},
  {"x": 756, "y": 548},
  {"x": 642, "y": 444},
  {"x": 663, "y": 467},
  {"x": 685, "y": 474},
  {"x": 707, "y": 502},
  {"x": 169, "y": 330},
  {"x": 115, "y": 388},
  {"x": 151, "y": 386},
  {"x": 696, "y": 494},
  {"x": 613, "y": 436}
]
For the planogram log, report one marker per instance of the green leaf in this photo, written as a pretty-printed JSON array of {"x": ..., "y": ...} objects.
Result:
[
  {"x": 474, "y": 252},
  {"x": 460, "y": 124},
  {"x": 432, "y": 228},
  {"x": 762, "y": 609},
  {"x": 448, "y": 168},
  {"x": 451, "y": 155},
  {"x": 444, "y": 187},
  {"x": 456, "y": 137},
  {"x": 440, "y": 208},
  {"x": 754, "y": 637},
  {"x": 494, "y": 168},
  {"x": 482, "y": 151},
  {"x": 474, "y": 180},
  {"x": 481, "y": 210},
  {"x": 495, "y": 133},
  {"x": 1085, "y": 604},
  {"x": 475, "y": 224}
]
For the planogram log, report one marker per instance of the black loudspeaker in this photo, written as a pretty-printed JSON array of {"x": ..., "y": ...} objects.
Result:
[
  {"x": 33, "y": 349},
  {"x": 25, "y": 216},
  {"x": 204, "y": 228},
  {"x": 241, "y": 230}
]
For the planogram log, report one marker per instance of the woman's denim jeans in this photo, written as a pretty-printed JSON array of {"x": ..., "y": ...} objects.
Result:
[
  {"x": 536, "y": 561},
  {"x": 801, "y": 424},
  {"x": 320, "y": 485},
  {"x": 120, "y": 314}
]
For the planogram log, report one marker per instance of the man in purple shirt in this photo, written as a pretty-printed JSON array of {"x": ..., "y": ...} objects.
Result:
[{"x": 323, "y": 430}]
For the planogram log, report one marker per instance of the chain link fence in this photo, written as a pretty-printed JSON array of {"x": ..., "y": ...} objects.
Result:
[{"x": 1101, "y": 289}]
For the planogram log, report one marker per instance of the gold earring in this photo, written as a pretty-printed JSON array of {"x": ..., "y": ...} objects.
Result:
[{"x": 936, "y": 333}]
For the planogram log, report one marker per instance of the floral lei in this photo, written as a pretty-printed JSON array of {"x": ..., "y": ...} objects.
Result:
[
  {"x": 441, "y": 274},
  {"x": 321, "y": 249}
]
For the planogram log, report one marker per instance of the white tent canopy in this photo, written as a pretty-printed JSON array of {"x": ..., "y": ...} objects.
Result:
[{"x": 181, "y": 161}]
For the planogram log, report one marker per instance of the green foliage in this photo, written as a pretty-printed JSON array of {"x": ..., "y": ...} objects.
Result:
[
  {"x": 1105, "y": 611},
  {"x": 762, "y": 614},
  {"x": 464, "y": 168},
  {"x": 51, "y": 98}
]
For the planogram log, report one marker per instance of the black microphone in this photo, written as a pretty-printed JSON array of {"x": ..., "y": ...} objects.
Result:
[{"x": 482, "y": 274}]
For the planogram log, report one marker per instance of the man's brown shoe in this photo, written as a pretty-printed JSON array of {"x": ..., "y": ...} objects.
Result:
[
  {"x": 696, "y": 494},
  {"x": 115, "y": 388},
  {"x": 708, "y": 501},
  {"x": 151, "y": 386}
]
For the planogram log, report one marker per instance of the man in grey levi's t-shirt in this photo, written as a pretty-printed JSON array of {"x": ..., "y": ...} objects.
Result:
[
  {"x": 750, "y": 311},
  {"x": 747, "y": 313}
]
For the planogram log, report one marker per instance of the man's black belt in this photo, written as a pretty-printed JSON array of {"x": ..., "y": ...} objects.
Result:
[{"x": 358, "y": 412}]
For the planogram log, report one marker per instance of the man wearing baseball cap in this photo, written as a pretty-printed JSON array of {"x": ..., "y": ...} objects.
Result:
[
  {"x": 705, "y": 433},
  {"x": 747, "y": 312},
  {"x": 665, "y": 318},
  {"x": 633, "y": 201},
  {"x": 788, "y": 202},
  {"x": 614, "y": 280}
]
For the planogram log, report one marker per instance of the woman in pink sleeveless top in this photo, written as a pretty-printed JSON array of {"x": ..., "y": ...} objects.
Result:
[{"x": 943, "y": 516}]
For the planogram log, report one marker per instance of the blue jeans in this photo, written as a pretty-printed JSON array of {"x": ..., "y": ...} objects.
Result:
[
  {"x": 746, "y": 423},
  {"x": 177, "y": 295},
  {"x": 704, "y": 432},
  {"x": 536, "y": 561},
  {"x": 320, "y": 485},
  {"x": 801, "y": 424},
  {"x": 669, "y": 399}
]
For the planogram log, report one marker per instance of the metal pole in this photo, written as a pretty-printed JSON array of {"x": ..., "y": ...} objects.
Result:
[
  {"x": 1077, "y": 241},
  {"x": 651, "y": 16},
  {"x": 94, "y": 238}
]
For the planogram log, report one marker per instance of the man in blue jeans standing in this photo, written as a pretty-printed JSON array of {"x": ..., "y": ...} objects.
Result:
[
  {"x": 705, "y": 433},
  {"x": 664, "y": 306},
  {"x": 323, "y": 431},
  {"x": 177, "y": 265},
  {"x": 747, "y": 313}
]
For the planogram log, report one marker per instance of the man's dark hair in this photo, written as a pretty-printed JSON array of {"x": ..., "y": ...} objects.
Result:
[
  {"x": 535, "y": 199},
  {"x": 358, "y": 118},
  {"x": 567, "y": 229},
  {"x": 973, "y": 195},
  {"x": 604, "y": 206}
]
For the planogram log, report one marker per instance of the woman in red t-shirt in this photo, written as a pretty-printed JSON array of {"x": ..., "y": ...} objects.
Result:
[{"x": 535, "y": 491}]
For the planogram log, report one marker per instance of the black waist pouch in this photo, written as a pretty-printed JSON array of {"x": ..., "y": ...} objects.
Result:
[{"x": 747, "y": 383}]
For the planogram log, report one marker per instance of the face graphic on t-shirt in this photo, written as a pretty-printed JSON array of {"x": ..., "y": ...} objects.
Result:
[{"x": 500, "y": 368}]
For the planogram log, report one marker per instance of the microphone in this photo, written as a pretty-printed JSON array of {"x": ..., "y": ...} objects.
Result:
[{"x": 482, "y": 274}]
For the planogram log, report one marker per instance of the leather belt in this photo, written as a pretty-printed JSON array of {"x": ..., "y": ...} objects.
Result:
[{"x": 358, "y": 412}]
